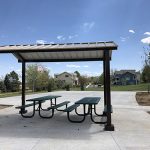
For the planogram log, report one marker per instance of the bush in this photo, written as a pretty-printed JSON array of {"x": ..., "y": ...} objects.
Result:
[
  {"x": 67, "y": 87},
  {"x": 51, "y": 85},
  {"x": 82, "y": 87}
]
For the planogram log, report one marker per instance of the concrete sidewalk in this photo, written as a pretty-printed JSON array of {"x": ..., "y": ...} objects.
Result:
[{"x": 132, "y": 126}]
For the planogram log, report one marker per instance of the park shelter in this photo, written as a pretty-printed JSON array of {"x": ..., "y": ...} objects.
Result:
[{"x": 68, "y": 52}]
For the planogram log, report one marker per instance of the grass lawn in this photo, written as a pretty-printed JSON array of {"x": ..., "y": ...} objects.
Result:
[
  {"x": 139, "y": 87},
  {"x": 10, "y": 94}
]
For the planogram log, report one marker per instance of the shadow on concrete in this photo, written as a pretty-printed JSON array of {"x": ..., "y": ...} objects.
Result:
[{"x": 58, "y": 127}]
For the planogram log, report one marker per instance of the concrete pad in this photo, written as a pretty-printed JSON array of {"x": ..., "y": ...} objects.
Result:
[{"x": 132, "y": 126}]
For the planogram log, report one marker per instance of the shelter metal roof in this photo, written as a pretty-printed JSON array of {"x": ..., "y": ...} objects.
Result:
[{"x": 60, "y": 52}]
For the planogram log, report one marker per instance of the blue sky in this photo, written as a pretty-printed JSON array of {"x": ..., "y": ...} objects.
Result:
[{"x": 125, "y": 22}]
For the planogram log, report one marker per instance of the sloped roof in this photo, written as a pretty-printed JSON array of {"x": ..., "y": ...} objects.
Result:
[
  {"x": 60, "y": 52},
  {"x": 125, "y": 71}
]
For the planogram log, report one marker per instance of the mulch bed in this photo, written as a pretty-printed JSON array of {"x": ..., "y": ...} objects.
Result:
[
  {"x": 143, "y": 98},
  {"x": 5, "y": 106}
]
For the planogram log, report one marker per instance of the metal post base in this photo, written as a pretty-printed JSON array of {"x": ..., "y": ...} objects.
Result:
[
  {"x": 109, "y": 127},
  {"x": 23, "y": 111},
  {"x": 104, "y": 113}
]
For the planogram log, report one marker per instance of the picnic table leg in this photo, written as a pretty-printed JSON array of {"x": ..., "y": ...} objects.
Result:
[
  {"x": 96, "y": 112},
  {"x": 77, "y": 121},
  {"x": 83, "y": 113},
  {"x": 46, "y": 117},
  {"x": 29, "y": 116},
  {"x": 97, "y": 122}
]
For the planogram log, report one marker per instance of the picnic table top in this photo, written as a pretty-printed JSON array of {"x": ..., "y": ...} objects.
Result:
[
  {"x": 89, "y": 100},
  {"x": 43, "y": 98}
]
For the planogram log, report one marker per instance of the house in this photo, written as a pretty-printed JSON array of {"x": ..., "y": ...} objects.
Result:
[
  {"x": 67, "y": 78},
  {"x": 126, "y": 77}
]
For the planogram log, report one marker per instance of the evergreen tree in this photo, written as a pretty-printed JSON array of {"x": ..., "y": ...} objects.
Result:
[
  {"x": 2, "y": 86},
  {"x": 7, "y": 83}
]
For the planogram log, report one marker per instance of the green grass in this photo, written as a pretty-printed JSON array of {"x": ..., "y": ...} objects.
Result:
[
  {"x": 10, "y": 94},
  {"x": 139, "y": 87}
]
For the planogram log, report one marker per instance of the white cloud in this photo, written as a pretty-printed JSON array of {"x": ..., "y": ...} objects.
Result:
[
  {"x": 40, "y": 41},
  {"x": 89, "y": 73},
  {"x": 86, "y": 66},
  {"x": 146, "y": 40},
  {"x": 51, "y": 42},
  {"x": 18, "y": 70},
  {"x": 73, "y": 66},
  {"x": 72, "y": 36},
  {"x": 132, "y": 31},
  {"x": 61, "y": 38},
  {"x": 87, "y": 26},
  {"x": 12, "y": 68},
  {"x": 123, "y": 39},
  {"x": 147, "y": 33}
]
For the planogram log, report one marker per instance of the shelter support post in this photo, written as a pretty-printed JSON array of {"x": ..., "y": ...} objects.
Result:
[
  {"x": 23, "y": 86},
  {"x": 104, "y": 76},
  {"x": 107, "y": 94}
]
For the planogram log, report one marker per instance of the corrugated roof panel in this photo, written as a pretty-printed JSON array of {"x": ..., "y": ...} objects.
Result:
[
  {"x": 68, "y": 51},
  {"x": 59, "y": 46}
]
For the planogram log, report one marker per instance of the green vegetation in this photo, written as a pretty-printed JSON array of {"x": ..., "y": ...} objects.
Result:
[
  {"x": 139, "y": 87},
  {"x": 10, "y": 94}
]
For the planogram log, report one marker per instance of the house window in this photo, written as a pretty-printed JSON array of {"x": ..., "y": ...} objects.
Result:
[
  {"x": 66, "y": 75},
  {"x": 117, "y": 79},
  {"x": 127, "y": 78}
]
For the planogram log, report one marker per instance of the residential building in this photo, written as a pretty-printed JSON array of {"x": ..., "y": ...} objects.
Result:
[
  {"x": 126, "y": 77},
  {"x": 67, "y": 78}
]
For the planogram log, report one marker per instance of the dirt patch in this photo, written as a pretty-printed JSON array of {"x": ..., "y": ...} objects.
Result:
[
  {"x": 143, "y": 98},
  {"x": 5, "y": 106}
]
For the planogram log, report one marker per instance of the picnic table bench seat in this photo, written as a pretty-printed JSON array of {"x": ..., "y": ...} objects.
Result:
[
  {"x": 28, "y": 105},
  {"x": 52, "y": 108},
  {"x": 58, "y": 105},
  {"x": 71, "y": 108}
]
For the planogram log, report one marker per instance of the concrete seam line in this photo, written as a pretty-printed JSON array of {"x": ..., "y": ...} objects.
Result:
[
  {"x": 115, "y": 141},
  {"x": 35, "y": 144}
]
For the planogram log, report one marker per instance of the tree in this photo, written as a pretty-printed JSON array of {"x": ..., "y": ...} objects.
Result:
[
  {"x": 146, "y": 74},
  {"x": 7, "y": 83},
  {"x": 37, "y": 77},
  {"x": 94, "y": 80},
  {"x": 51, "y": 84},
  {"x": 146, "y": 67},
  {"x": 2, "y": 86},
  {"x": 42, "y": 78},
  {"x": 59, "y": 84},
  {"x": 77, "y": 73},
  {"x": 31, "y": 76},
  {"x": 83, "y": 81},
  {"x": 14, "y": 80},
  {"x": 101, "y": 79},
  {"x": 11, "y": 82}
]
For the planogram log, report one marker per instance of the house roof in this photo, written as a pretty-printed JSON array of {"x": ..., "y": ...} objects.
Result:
[
  {"x": 63, "y": 73},
  {"x": 60, "y": 52},
  {"x": 125, "y": 71}
]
